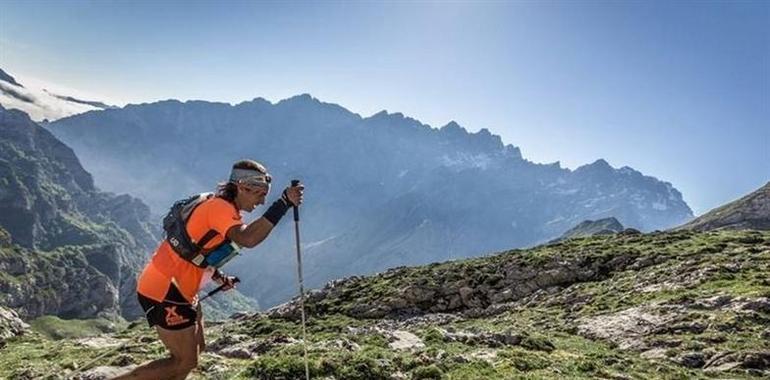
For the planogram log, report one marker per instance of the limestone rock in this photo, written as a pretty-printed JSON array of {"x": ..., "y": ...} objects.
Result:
[{"x": 10, "y": 324}]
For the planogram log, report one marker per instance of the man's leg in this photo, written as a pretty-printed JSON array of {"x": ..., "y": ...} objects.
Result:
[{"x": 183, "y": 346}]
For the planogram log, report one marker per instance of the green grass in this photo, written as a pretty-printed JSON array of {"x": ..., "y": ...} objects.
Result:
[
  {"x": 56, "y": 328},
  {"x": 701, "y": 265}
]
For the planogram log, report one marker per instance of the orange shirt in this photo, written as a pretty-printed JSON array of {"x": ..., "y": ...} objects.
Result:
[{"x": 166, "y": 266}]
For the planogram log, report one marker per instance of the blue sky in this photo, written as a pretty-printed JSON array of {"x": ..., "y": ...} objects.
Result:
[{"x": 678, "y": 90}]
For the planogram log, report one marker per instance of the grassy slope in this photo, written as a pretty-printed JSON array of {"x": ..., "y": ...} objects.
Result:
[{"x": 682, "y": 268}]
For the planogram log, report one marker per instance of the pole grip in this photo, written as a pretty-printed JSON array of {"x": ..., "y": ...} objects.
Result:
[
  {"x": 219, "y": 289},
  {"x": 294, "y": 183}
]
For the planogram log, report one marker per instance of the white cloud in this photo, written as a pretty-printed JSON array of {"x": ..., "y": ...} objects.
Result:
[{"x": 40, "y": 104}]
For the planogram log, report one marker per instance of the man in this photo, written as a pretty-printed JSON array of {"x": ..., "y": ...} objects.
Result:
[{"x": 168, "y": 286}]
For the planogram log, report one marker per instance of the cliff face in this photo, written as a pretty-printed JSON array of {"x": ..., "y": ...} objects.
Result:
[{"x": 71, "y": 249}]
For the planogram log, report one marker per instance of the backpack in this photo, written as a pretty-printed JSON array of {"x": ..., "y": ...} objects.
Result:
[{"x": 175, "y": 223}]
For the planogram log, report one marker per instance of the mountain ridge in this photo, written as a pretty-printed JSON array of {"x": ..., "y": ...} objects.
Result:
[{"x": 359, "y": 170}]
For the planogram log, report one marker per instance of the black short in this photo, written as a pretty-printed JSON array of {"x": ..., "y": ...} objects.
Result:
[{"x": 174, "y": 313}]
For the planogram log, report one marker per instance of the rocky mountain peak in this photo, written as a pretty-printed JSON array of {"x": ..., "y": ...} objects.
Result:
[
  {"x": 453, "y": 128},
  {"x": 18, "y": 128},
  {"x": 587, "y": 228},
  {"x": 598, "y": 166},
  {"x": 299, "y": 100},
  {"x": 8, "y": 78}
]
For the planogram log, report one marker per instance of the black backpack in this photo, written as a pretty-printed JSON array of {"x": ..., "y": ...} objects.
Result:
[{"x": 175, "y": 222}]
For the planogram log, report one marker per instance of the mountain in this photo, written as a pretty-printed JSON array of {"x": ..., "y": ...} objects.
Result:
[
  {"x": 750, "y": 212},
  {"x": 73, "y": 251},
  {"x": 66, "y": 248},
  {"x": 5, "y": 77},
  {"x": 592, "y": 227},
  {"x": 41, "y": 104},
  {"x": 672, "y": 305},
  {"x": 382, "y": 191}
]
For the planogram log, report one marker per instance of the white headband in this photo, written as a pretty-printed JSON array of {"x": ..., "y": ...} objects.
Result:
[{"x": 250, "y": 177}]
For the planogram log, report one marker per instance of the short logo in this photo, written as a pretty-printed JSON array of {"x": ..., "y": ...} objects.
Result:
[{"x": 173, "y": 318}]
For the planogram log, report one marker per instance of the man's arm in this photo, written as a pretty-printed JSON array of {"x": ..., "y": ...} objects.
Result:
[{"x": 249, "y": 235}]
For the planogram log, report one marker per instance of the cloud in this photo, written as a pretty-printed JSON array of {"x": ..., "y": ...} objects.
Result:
[{"x": 40, "y": 104}]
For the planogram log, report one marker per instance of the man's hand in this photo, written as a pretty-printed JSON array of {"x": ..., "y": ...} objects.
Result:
[
  {"x": 294, "y": 195},
  {"x": 228, "y": 282}
]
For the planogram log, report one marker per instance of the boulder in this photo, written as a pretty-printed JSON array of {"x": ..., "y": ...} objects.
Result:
[{"x": 10, "y": 324}]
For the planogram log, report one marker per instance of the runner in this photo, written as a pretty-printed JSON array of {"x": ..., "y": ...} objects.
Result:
[{"x": 210, "y": 234}]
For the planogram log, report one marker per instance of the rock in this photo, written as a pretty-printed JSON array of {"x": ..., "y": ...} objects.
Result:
[
  {"x": 625, "y": 328},
  {"x": 692, "y": 359},
  {"x": 339, "y": 344},
  {"x": 500, "y": 297},
  {"x": 724, "y": 367},
  {"x": 465, "y": 295},
  {"x": 100, "y": 342},
  {"x": 417, "y": 294},
  {"x": 756, "y": 360},
  {"x": 712, "y": 303},
  {"x": 655, "y": 353},
  {"x": 404, "y": 340},
  {"x": 103, "y": 372},
  {"x": 761, "y": 305},
  {"x": 237, "y": 352},
  {"x": 496, "y": 340},
  {"x": 429, "y": 320},
  {"x": 264, "y": 345},
  {"x": 690, "y": 327},
  {"x": 227, "y": 340},
  {"x": 488, "y": 356},
  {"x": 10, "y": 324}
]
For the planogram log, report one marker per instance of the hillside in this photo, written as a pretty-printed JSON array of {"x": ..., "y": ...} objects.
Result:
[
  {"x": 67, "y": 248},
  {"x": 592, "y": 227},
  {"x": 749, "y": 212},
  {"x": 663, "y": 305},
  {"x": 73, "y": 250}
]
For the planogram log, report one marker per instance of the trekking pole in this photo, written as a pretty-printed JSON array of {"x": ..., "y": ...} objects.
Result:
[
  {"x": 295, "y": 182},
  {"x": 219, "y": 289}
]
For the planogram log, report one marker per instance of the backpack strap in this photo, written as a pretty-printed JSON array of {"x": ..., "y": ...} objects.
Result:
[
  {"x": 206, "y": 238},
  {"x": 200, "y": 257}
]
